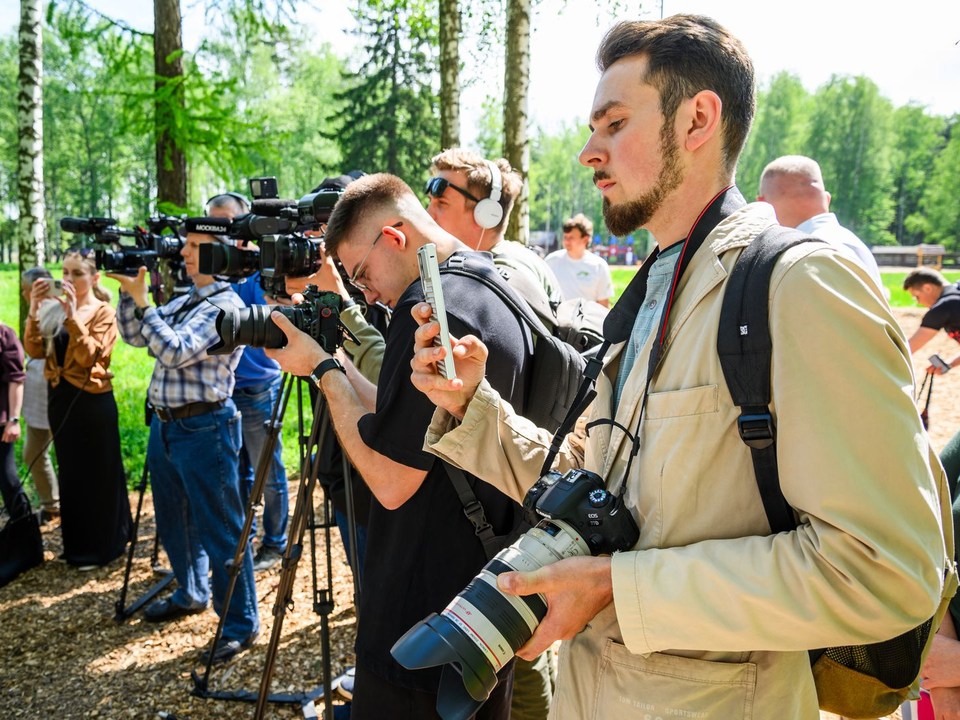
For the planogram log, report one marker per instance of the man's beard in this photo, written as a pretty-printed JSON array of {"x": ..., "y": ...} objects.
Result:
[{"x": 624, "y": 218}]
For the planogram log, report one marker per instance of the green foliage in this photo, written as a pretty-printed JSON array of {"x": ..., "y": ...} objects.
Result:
[
  {"x": 851, "y": 137},
  {"x": 490, "y": 128},
  {"x": 919, "y": 137},
  {"x": 779, "y": 128},
  {"x": 393, "y": 120},
  {"x": 940, "y": 204},
  {"x": 560, "y": 186}
]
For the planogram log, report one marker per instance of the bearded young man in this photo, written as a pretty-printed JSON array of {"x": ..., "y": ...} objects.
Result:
[{"x": 711, "y": 615}]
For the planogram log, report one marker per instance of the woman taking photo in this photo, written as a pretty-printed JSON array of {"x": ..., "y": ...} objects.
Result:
[{"x": 75, "y": 334}]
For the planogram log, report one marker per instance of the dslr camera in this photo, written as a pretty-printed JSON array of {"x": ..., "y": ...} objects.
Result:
[
  {"x": 318, "y": 316},
  {"x": 482, "y": 628}
]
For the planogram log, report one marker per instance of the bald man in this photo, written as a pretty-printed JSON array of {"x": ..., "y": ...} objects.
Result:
[{"x": 793, "y": 184}]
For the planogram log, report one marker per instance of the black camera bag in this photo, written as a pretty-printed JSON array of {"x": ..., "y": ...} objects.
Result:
[{"x": 21, "y": 546}]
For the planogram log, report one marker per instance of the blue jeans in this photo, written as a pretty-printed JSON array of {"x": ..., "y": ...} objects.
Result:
[
  {"x": 255, "y": 404},
  {"x": 341, "y": 519},
  {"x": 196, "y": 495}
]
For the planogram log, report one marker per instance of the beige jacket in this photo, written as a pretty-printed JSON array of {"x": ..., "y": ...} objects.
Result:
[{"x": 712, "y": 616}]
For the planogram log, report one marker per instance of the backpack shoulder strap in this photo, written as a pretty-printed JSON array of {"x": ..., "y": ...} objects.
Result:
[
  {"x": 746, "y": 352},
  {"x": 468, "y": 266}
]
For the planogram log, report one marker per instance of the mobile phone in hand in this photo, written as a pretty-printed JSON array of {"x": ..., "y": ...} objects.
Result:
[
  {"x": 54, "y": 288},
  {"x": 938, "y": 362},
  {"x": 433, "y": 292}
]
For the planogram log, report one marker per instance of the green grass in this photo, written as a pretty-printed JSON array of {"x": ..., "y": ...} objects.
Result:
[
  {"x": 893, "y": 281},
  {"x": 132, "y": 368}
]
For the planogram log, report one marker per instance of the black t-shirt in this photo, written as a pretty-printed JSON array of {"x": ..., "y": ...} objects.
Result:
[
  {"x": 945, "y": 313},
  {"x": 422, "y": 554}
]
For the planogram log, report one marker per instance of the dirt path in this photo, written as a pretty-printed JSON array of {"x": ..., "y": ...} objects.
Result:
[{"x": 61, "y": 654}]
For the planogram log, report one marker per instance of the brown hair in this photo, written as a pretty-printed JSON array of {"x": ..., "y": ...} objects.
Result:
[
  {"x": 923, "y": 276},
  {"x": 479, "y": 180},
  {"x": 686, "y": 54},
  {"x": 90, "y": 263},
  {"x": 370, "y": 192},
  {"x": 579, "y": 222}
]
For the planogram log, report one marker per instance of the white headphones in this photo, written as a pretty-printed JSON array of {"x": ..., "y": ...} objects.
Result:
[{"x": 489, "y": 212}]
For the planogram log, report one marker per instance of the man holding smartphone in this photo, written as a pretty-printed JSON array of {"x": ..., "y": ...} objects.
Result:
[
  {"x": 424, "y": 546},
  {"x": 932, "y": 290}
]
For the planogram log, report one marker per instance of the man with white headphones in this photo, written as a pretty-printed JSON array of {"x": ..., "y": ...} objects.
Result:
[{"x": 471, "y": 198}]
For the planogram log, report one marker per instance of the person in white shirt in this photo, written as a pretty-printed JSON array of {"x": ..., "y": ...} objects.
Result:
[
  {"x": 793, "y": 184},
  {"x": 581, "y": 273}
]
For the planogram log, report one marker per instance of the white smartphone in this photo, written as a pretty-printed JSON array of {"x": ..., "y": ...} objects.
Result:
[
  {"x": 54, "y": 288},
  {"x": 433, "y": 292}
]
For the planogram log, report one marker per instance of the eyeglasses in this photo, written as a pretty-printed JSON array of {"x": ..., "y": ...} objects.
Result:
[
  {"x": 81, "y": 251},
  {"x": 437, "y": 185},
  {"x": 356, "y": 273}
]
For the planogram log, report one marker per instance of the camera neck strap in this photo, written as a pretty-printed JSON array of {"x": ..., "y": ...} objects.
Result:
[{"x": 619, "y": 323}]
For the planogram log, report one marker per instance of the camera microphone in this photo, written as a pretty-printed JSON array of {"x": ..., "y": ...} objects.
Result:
[
  {"x": 271, "y": 207},
  {"x": 85, "y": 226}
]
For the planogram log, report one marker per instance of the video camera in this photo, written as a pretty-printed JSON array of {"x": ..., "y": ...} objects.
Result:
[
  {"x": 150, "y": 245},
  {"x": 279, "y": 227},
  {"x": 318, "y": 316}
]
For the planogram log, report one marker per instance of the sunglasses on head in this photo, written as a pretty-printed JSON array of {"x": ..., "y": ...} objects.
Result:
[
  {"x": 81, "y": 251},
  {"x": 437, "y": 185}
]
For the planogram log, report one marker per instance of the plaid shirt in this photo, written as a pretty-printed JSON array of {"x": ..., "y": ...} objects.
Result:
[{"x": 177, "y": 335}]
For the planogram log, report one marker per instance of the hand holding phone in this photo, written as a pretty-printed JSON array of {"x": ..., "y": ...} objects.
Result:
[
  {"x": 939, "y": 363},
  {"x": 54, "y": 288},
  {"x": 433, "y": 292}
]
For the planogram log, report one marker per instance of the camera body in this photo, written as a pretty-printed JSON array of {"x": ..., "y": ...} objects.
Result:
[
  {"x": 482, "y": 628},
  {"x": 318, "y": 316},
  {"x": 580, "y": 498}
]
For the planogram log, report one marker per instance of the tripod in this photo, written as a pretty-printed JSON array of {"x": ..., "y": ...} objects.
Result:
[
  {"x": 122, "y": 610},
  {"x": 302, "y": 520}
]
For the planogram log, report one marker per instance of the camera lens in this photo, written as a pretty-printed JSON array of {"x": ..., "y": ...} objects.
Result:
[
  {"x": 482, "y": 628},
  {"x": 249, "y": 326}
]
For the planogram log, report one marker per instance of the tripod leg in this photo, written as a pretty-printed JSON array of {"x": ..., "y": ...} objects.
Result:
[
  {"x": 298, "y": 526},
  {"x": 122, "y": 601},
  {"x": 234, "y": 566}
]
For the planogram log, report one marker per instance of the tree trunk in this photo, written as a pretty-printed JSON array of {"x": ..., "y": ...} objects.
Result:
[
  {"x": 30, "y": 131},
  {"x": 516, "y": 144},
  {"x": 449, "y": 74},
  {"x": 171, "y": 161}
]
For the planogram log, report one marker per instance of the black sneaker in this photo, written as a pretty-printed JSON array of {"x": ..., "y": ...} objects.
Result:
[
  {"x": 228, "y": 649},
  {"x": 265, "y": 558}
]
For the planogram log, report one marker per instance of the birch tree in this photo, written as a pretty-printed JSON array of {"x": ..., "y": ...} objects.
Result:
[
  {"x": 30, "y": 131},
  {"x": 516, "y": 82},
  {"x": 449, "y": 73}
]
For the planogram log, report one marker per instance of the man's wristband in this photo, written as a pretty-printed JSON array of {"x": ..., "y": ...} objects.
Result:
[{"x": 323, "y": 368}]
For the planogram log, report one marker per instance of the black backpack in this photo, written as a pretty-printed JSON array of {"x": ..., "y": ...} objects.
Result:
[
  {"x": 863, "y": 681},
  {"x": 557, "y": 365}
]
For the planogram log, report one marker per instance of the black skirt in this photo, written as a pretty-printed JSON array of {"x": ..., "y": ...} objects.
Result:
[{"x": 94, "y": 508}]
